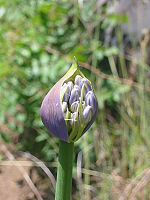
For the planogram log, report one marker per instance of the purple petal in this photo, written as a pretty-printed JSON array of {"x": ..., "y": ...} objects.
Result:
[
  {"x": 78, "y": 80},
  {"x": 93, "y": 118},
  {"x": 87, "y": 86},
  {"x": 75, "y": 94},
  {"x": 51, "y": 112},
  {"x": 70, "y": 85},
  {"x": 87, "y": 113},
  {"x": 66, "y": 90},
  {"x": 74, "y": 106},
  {"x": 91, "y": 100},
  {"x": 76, "y": 87}
]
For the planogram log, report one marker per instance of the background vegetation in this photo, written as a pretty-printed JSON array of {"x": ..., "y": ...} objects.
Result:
[{"x": 38, "y": 39}]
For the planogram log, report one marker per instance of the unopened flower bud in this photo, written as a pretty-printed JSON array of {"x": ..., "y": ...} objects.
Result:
[
  {"x": 87, "y": 86},
  {"x": 70, "y": 107},
  {"x": 74, "y": 106},
  {"x": 87, "y": 113},
  {"x": 90, "y": 99},
  {"x": 70, "y": 85},
  {"x": 65, "y": 93},
  {"x": 75, "y": 94},
  {"x": 78, "y": 80}
]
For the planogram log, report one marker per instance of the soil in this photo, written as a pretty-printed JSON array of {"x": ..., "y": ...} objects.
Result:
[{"x": 13, "y": 186}]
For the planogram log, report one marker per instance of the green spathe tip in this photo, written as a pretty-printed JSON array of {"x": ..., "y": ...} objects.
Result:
[
  {"x": 74, "y": 69},
  {"x": 74, "y": 65}
]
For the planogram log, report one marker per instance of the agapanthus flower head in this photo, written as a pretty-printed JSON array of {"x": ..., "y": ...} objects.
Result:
[{"x": 70, "y": 107}]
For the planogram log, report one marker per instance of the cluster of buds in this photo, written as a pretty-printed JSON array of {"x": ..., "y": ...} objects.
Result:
[
  {"x": 70, "y": 107},
  {"x": 78, "y": 105}
]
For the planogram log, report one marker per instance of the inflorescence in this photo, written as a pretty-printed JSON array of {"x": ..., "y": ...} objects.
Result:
[{"x": 78, "y": 103}]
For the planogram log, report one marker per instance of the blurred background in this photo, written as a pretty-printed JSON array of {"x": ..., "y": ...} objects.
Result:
[{"x": 111, "y": 40}]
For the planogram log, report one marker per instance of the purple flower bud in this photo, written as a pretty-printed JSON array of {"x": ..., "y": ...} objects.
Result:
[
  {"x": 87, "y": 86},
  {"x": 74, "y": 106},
  {"x": 87, "y": 113},
  {"x": 90, "y": 100},
  {"x": 78, "y": 80},
  {"x": 70, "y": 85},
  {"x": 65, "y": 92},
  {"x": 68, "y": 110},
  {"x": 76, "y": 87},
  {"x": 75, "y": 94}
]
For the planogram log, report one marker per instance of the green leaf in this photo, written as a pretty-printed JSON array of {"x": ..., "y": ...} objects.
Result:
[
  {"x": 41, "y": 137},
  {"x": 5, "y": 137}
]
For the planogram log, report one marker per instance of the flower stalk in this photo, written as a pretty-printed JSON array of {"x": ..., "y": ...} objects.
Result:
[
  {"x": 68, "y": 111},
  {"x": 64, "y": 171}
]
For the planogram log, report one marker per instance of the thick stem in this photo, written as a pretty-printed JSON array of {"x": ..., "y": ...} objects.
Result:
[{"x": 64, "y": 171}]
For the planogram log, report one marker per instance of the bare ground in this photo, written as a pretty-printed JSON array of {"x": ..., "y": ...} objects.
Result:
[{"x": 14, "y": 186}]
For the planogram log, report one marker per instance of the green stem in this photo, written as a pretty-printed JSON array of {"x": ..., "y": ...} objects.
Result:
[
  {"x": 64, "y": 171},
  {"x": 87, "y": 166}
]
